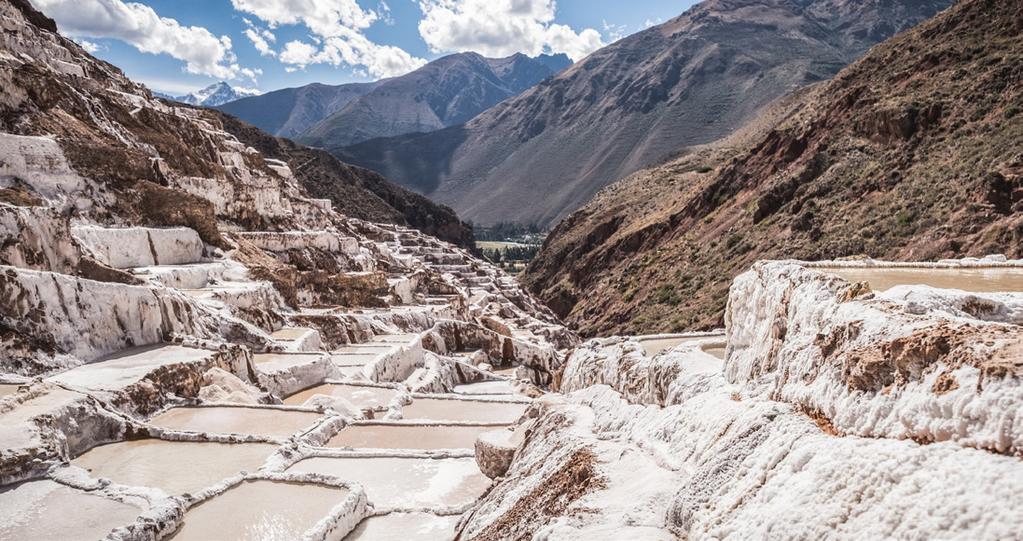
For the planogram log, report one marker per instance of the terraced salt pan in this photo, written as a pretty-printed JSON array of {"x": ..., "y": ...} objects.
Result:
[
  {"x": 45, "y": 511},
  {"x": 360, "y": 396},
  {"x": 656, "y": 345},
  {"x": 353, "y": 359},
  {"x": 406, "y": 436},
  {"x": 717, "y": 351},
  {"x": 434, "y": 409},
  {"x": 399, "y": 482},
  {"x": 124, "y": 368},
  {"x": 405, "y": 527},
  {"x": 486, "y": 388},
  {"x": 978, "y": 280},
  {"x": 272, "y": 362},
  {"x": 290, "y": 333},
  {"x": 176, "y": 467},
  {"x": 8, "y": 389},
  {"x": 260, "y": 511},
  {"x": 395, "y": 338},
  {"x": 267, "y": 422}
]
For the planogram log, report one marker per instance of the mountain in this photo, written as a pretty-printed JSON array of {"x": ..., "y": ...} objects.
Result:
[
  {"x": 113, "y": 152},
  {"x": 913, "y": 153},
  {"x": 635, "y": 103},
  {"x": 289, "y": 112},
  {"x": 215, "y": 94},
  {"x": 448, "y": 91}
]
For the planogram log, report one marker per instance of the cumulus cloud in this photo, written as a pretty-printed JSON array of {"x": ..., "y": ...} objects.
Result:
[
  {"x": 261, "y": 38},
  {"x": 89, "y": 46},
  {"x": 140, "y": 26},
  {"x": 337, "y": 27},
  {"x": 501, "y": 28},
  {"x": 352, "y": 49},
  {"x": 324, "y": 17}
]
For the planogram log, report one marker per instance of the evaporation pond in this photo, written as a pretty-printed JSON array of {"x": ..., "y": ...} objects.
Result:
[
  {"x": 405, "y": 527},
  {"x": 979, "y": 280},
  {"x": 227, "y": 420},
  {"x": 394, "y": 436},
  {"x": 45, "y": 510},
  {"x": 361, "y": 396},
  {"x": 655, "y": 346},
  {"x": 405, "y": 482},
  {"x": 260, "y": 511},
  {"x": 176, "y": 467},
  {"x": 486, "y": 387},
  {"x": 479, "y": 411}
]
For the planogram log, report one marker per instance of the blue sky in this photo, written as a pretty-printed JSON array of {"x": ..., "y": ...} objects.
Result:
[{"x": 178, "y": 46}]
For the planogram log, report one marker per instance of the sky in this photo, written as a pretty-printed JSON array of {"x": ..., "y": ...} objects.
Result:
[{"x": 179, "y": 46}]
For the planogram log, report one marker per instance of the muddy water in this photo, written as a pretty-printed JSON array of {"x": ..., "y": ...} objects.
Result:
[
  {"x": 45, "y": 510},
  {"x": 290, "y": 333},
  {"x": 430, "y": 409},
  {"x": 976, "y": 280},
  {"x": 394, "y": 338},
  {"x": 654, "y": 346},
  {"x": 352, "y": 359},
  {"x": 172, "y": 466},
  {"x": 406, "y": 482},
  {"x": 408, "y": 437},
  {"x": 359, "y": 396},
  {"x": 486, "y": 387},
  {"x": 7, "y": 389},
  {"x": 717, "y": 351},
  {"x": 222, "y": 420},
  {"x": 260, "y": 510},
  {"x": 405, "y": 527}
]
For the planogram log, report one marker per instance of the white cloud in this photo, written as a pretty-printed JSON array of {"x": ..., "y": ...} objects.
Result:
[
  {"x": 352, "y": 49},
  {"x": 261, "y": 38},
  {"x": 324, "y": 17},
  {"x": 337, "y": 35},
  {"x": 501, "y": 28},
  {"x": 648, "y": 23},
  {"x": 89, "y": 46},
  {"x": 138, "y": 25},
  {"x": 614, "y": 32}
]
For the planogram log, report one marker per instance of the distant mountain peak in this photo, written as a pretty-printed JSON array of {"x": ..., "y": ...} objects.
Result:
[{"x": 216, "y": 94}]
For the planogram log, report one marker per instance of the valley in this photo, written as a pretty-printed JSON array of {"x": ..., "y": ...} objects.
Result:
[{"x": 789, "y": 311}]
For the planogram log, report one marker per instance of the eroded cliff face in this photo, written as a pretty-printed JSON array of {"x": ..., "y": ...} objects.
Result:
[
  {"x": 911, "y": 153},
  {"x": 833, "y": 411}
]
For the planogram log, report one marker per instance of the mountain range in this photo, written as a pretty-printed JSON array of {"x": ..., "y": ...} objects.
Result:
[
  {"x": 213, "y": 95},
  {"x": 694, "y": 79},
  {"x": 913, "y": 153},
  {"x": 445, "y": 92}
]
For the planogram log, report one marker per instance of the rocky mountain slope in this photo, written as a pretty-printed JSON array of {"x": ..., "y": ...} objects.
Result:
[
  {"x": 289, "y": 112},
  {"x": 448, "y": 91},
  {"x": 216, "y": 94},
  {"x": 168, "y": 142},
  {"x": 912, "y": 153},
  {"x": 689, "y": 81}
]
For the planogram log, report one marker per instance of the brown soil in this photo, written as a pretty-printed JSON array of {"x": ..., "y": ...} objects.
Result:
[{"x": 576, "y": 477}]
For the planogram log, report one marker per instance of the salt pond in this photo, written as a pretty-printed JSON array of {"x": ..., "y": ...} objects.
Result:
[
  {"x": 405, "y": 482},
  {"x": 228, "y": 420},
  {"x": 398, "y": 436},
  {"x": 176, "y": 467},
  {"x": 260, "y": 511}
]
